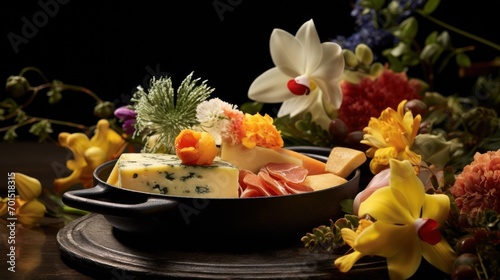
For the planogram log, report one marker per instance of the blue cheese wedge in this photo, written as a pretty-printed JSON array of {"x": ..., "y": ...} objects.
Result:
[{"x": 165, "y": 174}]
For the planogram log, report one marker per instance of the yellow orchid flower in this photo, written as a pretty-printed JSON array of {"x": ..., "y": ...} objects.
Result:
[
  {"x": 29, "y": 213},
  {"x": 305, "y": 77},
  {"x": 346, "y": 262},
  {"x": 25, "y": 206},
  {"x": 88, "y": 154},
  {"x": 406, "y": 227},
  {"x": 391, "y": 137}
]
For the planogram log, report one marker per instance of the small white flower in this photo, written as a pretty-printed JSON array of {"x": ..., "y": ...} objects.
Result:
[
  {"x": 210, "y": 114},
  {"x": 305, "y": 77}
]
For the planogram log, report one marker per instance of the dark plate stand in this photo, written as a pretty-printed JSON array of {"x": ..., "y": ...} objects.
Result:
[{"x": 92, "y": 246}]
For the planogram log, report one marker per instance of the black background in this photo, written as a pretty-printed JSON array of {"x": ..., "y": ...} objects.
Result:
[{"x": 111, "y": 47}]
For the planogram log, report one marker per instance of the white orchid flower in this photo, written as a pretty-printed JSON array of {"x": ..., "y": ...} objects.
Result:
[{"x": 305, "y": 77}]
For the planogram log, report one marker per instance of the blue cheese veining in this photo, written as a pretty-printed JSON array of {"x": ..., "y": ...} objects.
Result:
[{"x": 165, "y": 174}]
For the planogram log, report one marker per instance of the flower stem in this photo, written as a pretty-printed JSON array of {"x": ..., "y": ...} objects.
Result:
[
  {"x": 31, "y": 68},
  {"x": 82, "y": 89},
  {"x": 38, "y": 88},
  {"x": 35, "y": 119},
  {"x": 458, "y": 30},
  {"x": 75, "y": 211}
]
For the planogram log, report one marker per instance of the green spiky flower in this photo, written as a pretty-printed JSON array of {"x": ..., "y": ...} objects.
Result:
[{"x": 162, "y": 113}]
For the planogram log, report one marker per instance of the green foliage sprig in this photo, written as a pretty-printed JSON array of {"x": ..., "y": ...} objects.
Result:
[
  {"x": 14, "y": 114},
  {"x": 163, "y": 112}
]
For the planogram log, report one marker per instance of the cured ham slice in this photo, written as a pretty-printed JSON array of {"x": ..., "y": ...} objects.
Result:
[
  {"x": 275, "y": 186},
  {"x": 254, "y": 182},
  {"x": 297, "y": 188},
  {"x": 274, "y": 179},
  {"x": 287, "y": 171}
]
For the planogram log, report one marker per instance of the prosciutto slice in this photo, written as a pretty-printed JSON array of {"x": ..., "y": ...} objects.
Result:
[
  {"x": 287, "y": 171},
  {"x": 274, "y": 179}
]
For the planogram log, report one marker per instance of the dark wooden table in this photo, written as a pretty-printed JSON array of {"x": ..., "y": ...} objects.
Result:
[{"x": 39, "y": 254}]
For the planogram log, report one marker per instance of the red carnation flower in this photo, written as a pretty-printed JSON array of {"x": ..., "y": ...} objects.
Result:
[
  {"x": 370, "y": 97},
  {"x": 478, "y": 186}
]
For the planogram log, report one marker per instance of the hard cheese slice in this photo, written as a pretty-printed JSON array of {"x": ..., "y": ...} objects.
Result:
[
  {"x": 165, "y": 174},
  {"x": 255, "y": 158},
  {"x": 342, "y": 161},
  {"x": 323, "y": 181}
]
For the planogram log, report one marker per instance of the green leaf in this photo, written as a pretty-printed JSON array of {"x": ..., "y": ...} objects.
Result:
[
  {"x": 393, "y": 7},
  {"x": 429, "y": 51},
  {"x": 395, "y": 63},
  {"x": 399, "y": 49},
  {"x": 431, "y": 38},
  {"x": 436, "y": 56},
  {"x": 21, "y": 116},
  {"x": 251, "y": 107},
  {"x": 463, "y": 60},
  {"x": 410, "y": 59},
  {"x": 342, "y": 223},
  {"x": 378, "y": 4},
  {"x": 431, "y": 6},
  {"x": 346, "y": 206},
  {"x": 42, "y": 129},
  {"x": 444, "y": 40},
  {"x": 9, "y": 104},
  {"x": 408, "y": 29},
  {"x": 353, "y": 219},
  {"x": 10, "y": 135},
  {"x": 54, "y": 95},
  {"x": 373, "y": 4}
]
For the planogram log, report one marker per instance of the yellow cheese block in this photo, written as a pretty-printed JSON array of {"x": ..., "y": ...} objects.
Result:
[
  {"x": 113, "y": 179},
  {"x": 323, "y": 181},
  {"x": 165, "y": 174},
  {"x": 343, "y": 161},
  {"x": 255, "y": 158}
]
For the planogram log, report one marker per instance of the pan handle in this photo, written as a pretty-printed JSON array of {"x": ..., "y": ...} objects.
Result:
[{"x": 97, "y": 200}]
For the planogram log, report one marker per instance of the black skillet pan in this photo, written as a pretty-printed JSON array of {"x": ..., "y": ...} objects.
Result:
[{"x": 278, "y": 218}]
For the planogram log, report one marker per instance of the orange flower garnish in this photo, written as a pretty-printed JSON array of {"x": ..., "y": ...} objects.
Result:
[
  {"x": 259, "y": 131},
  {"x": 195, "y": 148}
]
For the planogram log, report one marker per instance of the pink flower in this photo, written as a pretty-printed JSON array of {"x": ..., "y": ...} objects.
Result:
[
  {"x": 371, "y": 96},
  {"x": 478, "y": 186},
  {"x": 232, "y": 132}
]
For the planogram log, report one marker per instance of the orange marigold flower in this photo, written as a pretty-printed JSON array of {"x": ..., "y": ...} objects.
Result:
[
  {"x": 195, "y": 148},
  {"x": 259, "y": 131},
  {"x": 478, "y": 186}
]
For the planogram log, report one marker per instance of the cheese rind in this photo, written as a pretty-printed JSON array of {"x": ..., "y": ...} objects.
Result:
[{"x": 165, "y": 174}]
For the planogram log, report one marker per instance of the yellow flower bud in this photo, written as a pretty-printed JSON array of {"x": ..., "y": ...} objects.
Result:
[{"x": 27, "y": 187}]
